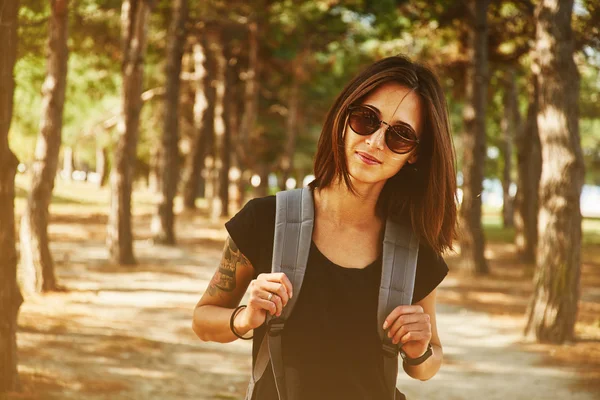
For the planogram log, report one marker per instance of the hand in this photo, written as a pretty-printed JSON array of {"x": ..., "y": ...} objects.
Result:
[
  {"x": 410, "y": 327},
  {"x": 269, "y": 293}
]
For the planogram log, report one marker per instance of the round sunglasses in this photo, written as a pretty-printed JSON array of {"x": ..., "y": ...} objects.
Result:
[{"x": 364, "y": 120}]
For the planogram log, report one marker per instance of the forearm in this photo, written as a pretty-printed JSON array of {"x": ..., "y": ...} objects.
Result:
[
  {"x": 429, "y": 367},
  {"x": 211, "y": 324}
]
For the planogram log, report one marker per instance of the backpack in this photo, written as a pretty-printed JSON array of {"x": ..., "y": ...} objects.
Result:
[{"x": 294, "y": 220}]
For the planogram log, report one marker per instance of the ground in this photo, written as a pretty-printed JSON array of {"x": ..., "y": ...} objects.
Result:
[{"x": 125, "y": 332}]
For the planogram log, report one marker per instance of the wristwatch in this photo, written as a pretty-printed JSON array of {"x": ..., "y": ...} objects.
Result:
[{"x": 419, "y": 360}]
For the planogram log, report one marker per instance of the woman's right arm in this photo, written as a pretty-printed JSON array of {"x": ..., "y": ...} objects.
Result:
[{"x": 225, "y": 291}]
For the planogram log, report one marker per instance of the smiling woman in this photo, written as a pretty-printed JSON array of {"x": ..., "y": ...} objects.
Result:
[{"x": 385, "y": 158}]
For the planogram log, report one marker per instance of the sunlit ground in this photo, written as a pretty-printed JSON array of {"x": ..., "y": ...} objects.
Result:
[{"x": 124, "y": 332}]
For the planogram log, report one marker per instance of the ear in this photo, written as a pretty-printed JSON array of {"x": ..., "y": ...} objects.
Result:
[{"x": 413, "y": 158}]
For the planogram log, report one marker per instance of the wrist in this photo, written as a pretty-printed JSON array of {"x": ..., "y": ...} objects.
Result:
[
  {"x": 240, "y": 323},
  {"x": 414, "y": 361}
]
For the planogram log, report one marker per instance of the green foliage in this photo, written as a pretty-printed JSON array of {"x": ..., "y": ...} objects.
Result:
[{"x": 330, "y": 40}]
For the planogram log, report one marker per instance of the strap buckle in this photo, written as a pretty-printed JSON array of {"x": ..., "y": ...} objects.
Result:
[
  {"x": 275, "y": 326},
  {"x": 390, "y": 350}
]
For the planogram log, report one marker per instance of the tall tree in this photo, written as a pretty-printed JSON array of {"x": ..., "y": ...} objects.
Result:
[
  {"x": 36, "y": 270},
  {"x": 529, "y": 166},
  {"x": 169, "y": 167},
  {"x": 251, "y": 100},
  {"x": 10, "y": 296},
  {"x": 553, "y": 309},
  {"x": 509, "y": 125},
  {"x": 287, "y": 159},
  {"x": 217, "y": 168},
  {"x": 472, "y": 239},
  {"x": 204, "y": 109},
  {"x": 134, "y": 27}
]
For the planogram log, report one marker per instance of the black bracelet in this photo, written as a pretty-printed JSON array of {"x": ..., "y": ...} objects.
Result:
[{"x": 233, "y": 315}]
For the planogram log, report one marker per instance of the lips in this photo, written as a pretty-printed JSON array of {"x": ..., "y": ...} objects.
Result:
[{"x": 367, "y": 158}]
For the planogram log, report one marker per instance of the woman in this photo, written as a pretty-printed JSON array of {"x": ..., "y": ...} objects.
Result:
[{"x": 385, "y": 152}]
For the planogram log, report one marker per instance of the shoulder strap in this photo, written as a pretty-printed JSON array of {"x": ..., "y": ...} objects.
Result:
[
  {"x": 294, "y": 220},
  {"x": 400, "y": 252}
]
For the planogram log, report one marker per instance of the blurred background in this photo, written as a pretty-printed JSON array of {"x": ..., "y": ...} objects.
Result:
[{"x": 131, "y": 130}]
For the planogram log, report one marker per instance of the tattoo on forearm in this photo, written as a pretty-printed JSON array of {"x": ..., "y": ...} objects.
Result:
[{"x": 224, "y": 278}]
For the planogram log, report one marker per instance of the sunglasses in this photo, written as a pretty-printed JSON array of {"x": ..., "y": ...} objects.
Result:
[{"x": 364, "y": 120}]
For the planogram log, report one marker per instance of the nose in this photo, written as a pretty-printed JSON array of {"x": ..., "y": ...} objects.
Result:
[{"x": 377, "y": 138}]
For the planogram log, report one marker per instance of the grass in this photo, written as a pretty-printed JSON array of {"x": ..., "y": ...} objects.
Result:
[{"x": 496, "y": 232}]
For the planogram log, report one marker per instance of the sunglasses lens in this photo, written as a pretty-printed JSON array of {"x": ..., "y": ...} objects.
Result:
[
  {"x": 400, "y": 139},
  {"x": 363, "y": 121}
]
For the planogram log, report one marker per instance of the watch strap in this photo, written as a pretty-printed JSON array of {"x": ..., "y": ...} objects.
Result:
[{"x": 419, "y": 360}]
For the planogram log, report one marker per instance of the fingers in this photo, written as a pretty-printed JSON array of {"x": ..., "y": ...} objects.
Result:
[
  {"x": 278, "y": 277},
  {"x": 278, "y": 290},
  {"x": 401, "y": 310},
  {"x": 411, "y": 332},
  {"x": 408, "y": 323},
  {"x": 270, "y": 292}
]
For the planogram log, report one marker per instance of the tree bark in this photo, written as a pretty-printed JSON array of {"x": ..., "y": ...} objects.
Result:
[
  {"x": 194, "y": 163},
  {"x": 154, "y": 182},
  {"x": 233, "y": 116},
  {"x": 164, "y": 231},
  {"x": 134, "y": 20},
  {"x": 553, "y": 309},
  {"x": 529, "y": 167},
  {"x": 216, "y": 201},
  {"x": 36, "y": 269},
  {"x": 287, "y": 160},
  {"x": 68, "y": 163},
  {"x": 472, "y": 239},
  {"x": 101, "y": 165},
  {"x": 229, "y": 107},
  {"x": 251, "y": 95},
  {"x": 509, "y": 126},
  {"x": 10, "y": 296}
]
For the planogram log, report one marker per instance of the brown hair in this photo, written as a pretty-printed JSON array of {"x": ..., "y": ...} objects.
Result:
[{"x": 424, "y": 191}]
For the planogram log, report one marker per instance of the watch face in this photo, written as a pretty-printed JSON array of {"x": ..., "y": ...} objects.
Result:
[{"x": 403, "y": 354}]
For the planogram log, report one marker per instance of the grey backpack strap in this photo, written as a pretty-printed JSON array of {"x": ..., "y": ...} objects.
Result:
[
  {"x": 400, "y": 252},
  {"x": 294, "y": 220}
]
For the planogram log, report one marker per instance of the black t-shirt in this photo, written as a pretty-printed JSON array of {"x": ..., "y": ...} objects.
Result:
[{"x": 330, "y": 341}]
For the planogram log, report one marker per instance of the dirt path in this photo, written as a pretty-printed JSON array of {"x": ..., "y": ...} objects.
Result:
[{"x": 125, "y": 334}]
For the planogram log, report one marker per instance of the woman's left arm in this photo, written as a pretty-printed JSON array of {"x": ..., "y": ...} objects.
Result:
[{"x": 414, "y": 327}]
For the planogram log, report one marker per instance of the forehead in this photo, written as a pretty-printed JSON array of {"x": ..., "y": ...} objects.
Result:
[{"x": 397, "y": 103}]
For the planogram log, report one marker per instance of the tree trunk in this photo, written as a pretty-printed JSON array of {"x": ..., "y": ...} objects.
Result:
[
  {"x": 218, "y": 164},
  {"x": 472, "y": 239},
  {"x": 529, "y": 166},
  {"x": 263, "y": 188},
  {"x": 101, "y": 165},
  {"x": 10, "y": 296},
  {"x": 153, "y": 168},
  {"x": 250, "y": 94},
  {"x": 67, "y": 169},
  {"x": 508, "y": 125},
  {"x": 194, "y": 163},
  {"x": 36, "y": 269},
  {"x": 287, "y": 160},
  {"x": 134, "y": 20},
  {"x": 229, "y": 107},
  {"x": 553, "y": 308},
  {"x": 164, "y": 231},
  {"x": 233, "y": 117}
]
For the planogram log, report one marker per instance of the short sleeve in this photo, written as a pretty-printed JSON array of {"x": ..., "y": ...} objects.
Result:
[
  {"x": 252, "y": 230},
  {"x": 241, "y": 228},
  {"x": 431, "y": 271}
]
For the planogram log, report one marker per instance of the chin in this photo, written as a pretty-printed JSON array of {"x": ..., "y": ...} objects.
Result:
[{"x": 364, "y": 177}]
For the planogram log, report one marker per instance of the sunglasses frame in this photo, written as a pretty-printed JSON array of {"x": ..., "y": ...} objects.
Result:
[{"x": 415, "y": 142}]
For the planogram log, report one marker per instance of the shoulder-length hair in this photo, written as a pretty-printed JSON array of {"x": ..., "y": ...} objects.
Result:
[{"x": 425, "y": 191}]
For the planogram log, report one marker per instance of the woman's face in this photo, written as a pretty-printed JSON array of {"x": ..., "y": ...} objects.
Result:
[{"x": 369, "y": 158}]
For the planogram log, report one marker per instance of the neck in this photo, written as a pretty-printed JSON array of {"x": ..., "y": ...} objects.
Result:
[{"x": 340, "y": 205}]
